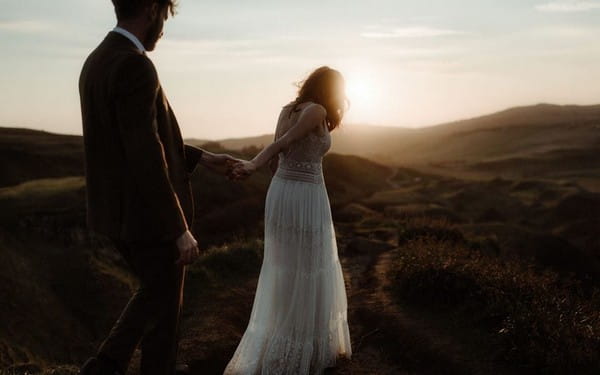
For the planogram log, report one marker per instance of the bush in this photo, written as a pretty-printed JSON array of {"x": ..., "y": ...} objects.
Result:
[
  {"x": 228, "y": 263},
  {"x": 439, "y": 229},
  {"x": 534, "y": 318}
]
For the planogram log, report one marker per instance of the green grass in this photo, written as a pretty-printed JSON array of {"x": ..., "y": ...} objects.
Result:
[
  {"x": 534, "y": 318},
  {"x": 28, "y": 154},
  {"x": 538, "y": 319},
  {"x": 227, "y": 264},
  {"x": 43, "y": 196},
  {"x": 42, "y": 188}
]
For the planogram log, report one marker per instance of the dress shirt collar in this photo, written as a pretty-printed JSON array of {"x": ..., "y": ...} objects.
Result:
[{"x": 131, "y": 37}]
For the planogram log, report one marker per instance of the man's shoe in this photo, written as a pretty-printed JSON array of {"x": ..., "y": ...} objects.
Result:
[
  {"x": 182, "y": 369},
  {"x": 95, "y": 366}
]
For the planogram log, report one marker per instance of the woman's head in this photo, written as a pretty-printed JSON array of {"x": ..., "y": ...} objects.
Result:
[{"x": 325, "y": 86}]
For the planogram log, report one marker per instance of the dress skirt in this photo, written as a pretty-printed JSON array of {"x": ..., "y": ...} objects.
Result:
[{"x": 298, "y": 323}]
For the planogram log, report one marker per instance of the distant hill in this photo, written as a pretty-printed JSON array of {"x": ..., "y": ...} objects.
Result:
[
  {"x": 544, "y": 141},
  {"x": 27, "y": 154},
  {"x": 557, "y": 139}
]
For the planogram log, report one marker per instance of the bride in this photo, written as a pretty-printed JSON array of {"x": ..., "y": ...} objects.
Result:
[{"x": 298, "y": 323}]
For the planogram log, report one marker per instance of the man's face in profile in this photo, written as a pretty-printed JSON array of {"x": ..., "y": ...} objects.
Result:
[{"x": 155, "y": 31}]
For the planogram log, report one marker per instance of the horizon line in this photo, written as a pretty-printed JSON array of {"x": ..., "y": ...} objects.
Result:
[{"x": 350, "y": 124}]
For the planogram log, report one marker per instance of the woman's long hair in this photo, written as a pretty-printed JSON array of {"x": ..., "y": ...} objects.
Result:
[{"x": 325, "y": 86}]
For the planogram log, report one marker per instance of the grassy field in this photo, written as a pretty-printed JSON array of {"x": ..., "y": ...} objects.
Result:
[
  {"x": 531, "y": 317},
  {"x": 490, "y": 266}
]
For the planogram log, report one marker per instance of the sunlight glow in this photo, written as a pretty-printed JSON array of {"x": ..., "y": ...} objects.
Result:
[{"x": 364, "y": 94}]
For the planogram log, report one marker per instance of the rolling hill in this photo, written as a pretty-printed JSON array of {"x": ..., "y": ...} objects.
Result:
[
  {"x": 437, "y": 266},
  {"x": 546, "y": 141},
  {"x": 27, "y": 154},
  {"x": 55, "y": 275}
]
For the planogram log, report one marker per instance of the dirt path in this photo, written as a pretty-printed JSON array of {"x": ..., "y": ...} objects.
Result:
[
  {"x": 391, "y": 339},
  {"x": 390, "y": 179},
  {"x": 387, "y": 338}
]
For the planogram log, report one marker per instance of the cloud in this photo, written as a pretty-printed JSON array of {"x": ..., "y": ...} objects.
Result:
[
  {"x": 567, "y": 32},
  {"x": 378, "y": 32},
  {"x": 26, "y": 26},
  {"x": 221, "y": 54},
  {"x": 568, "y": 6}
]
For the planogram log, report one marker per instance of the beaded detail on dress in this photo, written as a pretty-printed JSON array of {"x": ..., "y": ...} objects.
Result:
[
  {"x": 302, "y": 160},
  {"x": 299, "y": 171}
]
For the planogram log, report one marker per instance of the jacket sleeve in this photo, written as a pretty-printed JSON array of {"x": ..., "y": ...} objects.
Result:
[
  {"x": 192, "y": 157},
  {"x": 135, "y": 102}
]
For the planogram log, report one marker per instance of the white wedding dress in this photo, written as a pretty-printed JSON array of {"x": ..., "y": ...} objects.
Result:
[{"x": 298, "y": 323}]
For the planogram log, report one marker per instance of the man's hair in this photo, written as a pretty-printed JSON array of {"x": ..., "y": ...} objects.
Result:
[{"x": 127, "y": 9}]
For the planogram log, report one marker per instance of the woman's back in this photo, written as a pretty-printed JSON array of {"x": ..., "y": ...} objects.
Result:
[{"x": 310, "y": 148}]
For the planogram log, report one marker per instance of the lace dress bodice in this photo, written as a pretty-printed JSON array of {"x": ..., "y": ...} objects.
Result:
[{"x": 302, "y": 160}]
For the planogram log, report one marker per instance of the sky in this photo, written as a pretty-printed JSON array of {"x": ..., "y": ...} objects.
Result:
[{"x": 229, "y": 66}]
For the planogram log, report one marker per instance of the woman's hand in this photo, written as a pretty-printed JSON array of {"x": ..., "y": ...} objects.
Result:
[
  {"x": 243, "y": 169},
  {"x": 219, "y": 163}
]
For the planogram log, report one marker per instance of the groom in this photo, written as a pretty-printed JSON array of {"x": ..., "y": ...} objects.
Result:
[{"x": 138, "y": 185}]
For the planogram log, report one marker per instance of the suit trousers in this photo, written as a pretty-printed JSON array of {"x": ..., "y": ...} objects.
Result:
[{"x": 151, "y": 317}]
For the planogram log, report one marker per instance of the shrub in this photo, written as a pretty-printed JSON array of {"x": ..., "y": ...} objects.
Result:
[
  {"x": 440, "y": 229},
  {"x": 534, "y": 318},
  {"x": 228, "y": 263}
]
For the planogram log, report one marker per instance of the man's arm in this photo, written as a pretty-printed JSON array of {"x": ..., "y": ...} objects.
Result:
[
  {"x": 215, "y": 162},
  {"x": 135, "y": 99},
  {"x": 193, "y": 155}
]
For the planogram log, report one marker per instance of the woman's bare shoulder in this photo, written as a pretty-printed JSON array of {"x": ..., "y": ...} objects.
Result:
[{"x": 314, "y": 109}]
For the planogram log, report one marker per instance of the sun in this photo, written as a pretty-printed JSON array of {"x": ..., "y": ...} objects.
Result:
[
  {"x": 359, "y": 89},
  {"x": 362, "y": 92}
]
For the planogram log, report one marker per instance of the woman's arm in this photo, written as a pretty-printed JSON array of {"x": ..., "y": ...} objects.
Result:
[
  {"x": 311, "y": 117},
  {"x": 215, "y": 162}
]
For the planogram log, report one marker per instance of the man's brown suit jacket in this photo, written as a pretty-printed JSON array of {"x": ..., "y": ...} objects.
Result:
[{"x": 137, "y": 166}]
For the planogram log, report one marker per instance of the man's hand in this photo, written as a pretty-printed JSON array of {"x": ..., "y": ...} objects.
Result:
[
  {"x": 243, "y": 170},
  {"x": 188, "y": 249},
  {"x": 219, "y": 163}
]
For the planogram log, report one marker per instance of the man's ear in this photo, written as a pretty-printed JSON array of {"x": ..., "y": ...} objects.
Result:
[{"x": 153, "y": 11}]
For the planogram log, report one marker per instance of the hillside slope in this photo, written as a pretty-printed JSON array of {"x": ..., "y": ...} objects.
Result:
[
  {"x": 60, "y": 282},
  {"x": 27, "y": 154},
  {"x": 546, "y": 141}
]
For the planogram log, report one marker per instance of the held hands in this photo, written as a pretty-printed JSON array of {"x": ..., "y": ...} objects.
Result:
[
  {"x": 218, "y": 163},
  {"x": 235, "y": 169},
  {"x": 188, "y": 249},
  {"x": 241, "y": 170}
]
